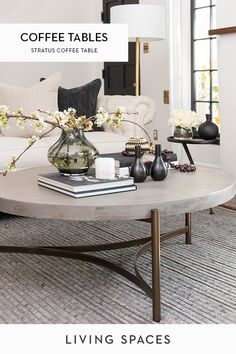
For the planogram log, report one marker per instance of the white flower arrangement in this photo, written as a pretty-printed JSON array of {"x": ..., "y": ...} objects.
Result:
[{"x": 185, "y": 118}]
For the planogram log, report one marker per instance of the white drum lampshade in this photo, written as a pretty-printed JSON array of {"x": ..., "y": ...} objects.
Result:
[{"x": 145, "y": 23}]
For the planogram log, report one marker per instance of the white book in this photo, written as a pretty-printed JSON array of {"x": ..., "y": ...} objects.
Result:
[
  {"x": 90, "y": 193},
  {"x": 88, "y": 183}
]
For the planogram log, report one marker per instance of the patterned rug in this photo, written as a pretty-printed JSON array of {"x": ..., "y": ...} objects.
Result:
[{"x": 198, "y": 281}]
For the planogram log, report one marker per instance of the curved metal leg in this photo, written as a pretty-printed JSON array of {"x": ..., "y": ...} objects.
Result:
[{"x": 62, "y": 253}]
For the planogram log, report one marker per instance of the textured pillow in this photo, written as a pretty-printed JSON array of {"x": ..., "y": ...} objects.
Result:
[
  {"x": 83, "y": 99},
  {"x": 42, "y": 95}
]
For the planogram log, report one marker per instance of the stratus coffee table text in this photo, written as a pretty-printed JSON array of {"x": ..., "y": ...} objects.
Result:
[{"x": 179, "y": 193}]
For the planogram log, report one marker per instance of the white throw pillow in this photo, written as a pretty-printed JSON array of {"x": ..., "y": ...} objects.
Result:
[{"x": 42, "y": 95}]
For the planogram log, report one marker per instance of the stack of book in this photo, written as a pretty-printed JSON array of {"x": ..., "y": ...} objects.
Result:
[{"x": 85, "y": 186}]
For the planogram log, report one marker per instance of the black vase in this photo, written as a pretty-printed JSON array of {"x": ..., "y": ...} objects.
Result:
[
  {"x": 159, "y": 170},
  {"x": 138, "y": 170},
  {"x": 208, "y": 130}
]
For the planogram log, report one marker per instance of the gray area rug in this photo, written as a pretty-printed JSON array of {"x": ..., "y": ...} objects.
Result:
[{"x": 198, "y": 281}]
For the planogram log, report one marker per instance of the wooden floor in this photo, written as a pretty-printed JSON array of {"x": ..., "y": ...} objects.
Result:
[{"x": 231, "y": 204}]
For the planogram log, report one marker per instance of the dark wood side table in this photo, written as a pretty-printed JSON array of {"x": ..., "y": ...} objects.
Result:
[{"x": 195, "y": 141}]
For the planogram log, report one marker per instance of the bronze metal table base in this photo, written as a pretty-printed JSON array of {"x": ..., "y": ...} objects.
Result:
[{"x": 153, "y": 242}]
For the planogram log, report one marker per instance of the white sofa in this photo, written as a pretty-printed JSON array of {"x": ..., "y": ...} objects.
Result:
[{"x": 110, "y": 141}]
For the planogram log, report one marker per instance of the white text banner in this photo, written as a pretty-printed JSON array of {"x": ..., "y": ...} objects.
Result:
[{"x": 63, "y": 42}]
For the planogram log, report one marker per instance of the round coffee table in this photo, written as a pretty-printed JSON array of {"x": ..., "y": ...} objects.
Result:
[{"x": 179, "y": 193}]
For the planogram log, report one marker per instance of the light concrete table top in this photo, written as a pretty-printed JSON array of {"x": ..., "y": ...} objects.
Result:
[{"x": 178, "y": 193}]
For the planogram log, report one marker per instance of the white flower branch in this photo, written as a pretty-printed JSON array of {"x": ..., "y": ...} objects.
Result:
[
  {"x": 12, "y": 164},
  {"x": 66, "y": 120}
]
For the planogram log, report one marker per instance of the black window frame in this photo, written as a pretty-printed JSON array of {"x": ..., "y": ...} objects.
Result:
[{"x": 194, "y": 99}]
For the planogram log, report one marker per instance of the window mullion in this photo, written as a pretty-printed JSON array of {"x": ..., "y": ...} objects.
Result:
[
  {"x": 193, "y": 90},
  {"x": 211, "y": 86}
]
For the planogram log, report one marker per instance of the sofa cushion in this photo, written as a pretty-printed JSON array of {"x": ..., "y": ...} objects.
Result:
[
  {"x": 42, "y": 95},
  {"x": 107, "y": 142},
  {"x": 83, "y": 99},
  {"x": 34, "y": 157},
  {"x": 141, "y": 111}
]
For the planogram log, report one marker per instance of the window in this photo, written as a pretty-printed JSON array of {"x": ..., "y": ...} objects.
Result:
[{"x": 205, "y": 96}]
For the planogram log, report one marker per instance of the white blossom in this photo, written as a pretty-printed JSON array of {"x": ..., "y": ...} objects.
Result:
[
  {"x": 35, "y": 115},
  {"x": 60, "y": 118},
  {"x": 121, "y": 111},
  {"x": 18, "y": 112},
  {"x": 88, "y": 126},
  {"x": 71, "y": 111},
  {"x": 21, "y": 122},
  {"x": 11, "y": 165},
  {"x": 4, "y": 110},
  {"x": 102, "y": 116},
  {"x": 32, "y": 139}
]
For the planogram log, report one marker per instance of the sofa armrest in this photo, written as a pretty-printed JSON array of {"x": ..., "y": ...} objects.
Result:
[{"x": 144, "y": 106}]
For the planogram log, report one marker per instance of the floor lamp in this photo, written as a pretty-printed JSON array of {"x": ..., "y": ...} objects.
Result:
[{"x": 146, "y": 23}]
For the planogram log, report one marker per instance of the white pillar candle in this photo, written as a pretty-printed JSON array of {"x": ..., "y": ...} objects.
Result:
[{"x": 105, "y": 168}]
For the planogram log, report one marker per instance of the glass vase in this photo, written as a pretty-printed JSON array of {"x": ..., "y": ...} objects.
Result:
[
  {"x": 72, "y": 154},
  {"x": 183, "y": 133}
]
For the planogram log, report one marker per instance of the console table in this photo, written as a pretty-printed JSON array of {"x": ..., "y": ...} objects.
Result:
[{"x": 194, "y": 141}]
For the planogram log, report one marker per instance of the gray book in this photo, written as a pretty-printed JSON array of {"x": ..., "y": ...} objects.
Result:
[{"x": 87, "y": 183}]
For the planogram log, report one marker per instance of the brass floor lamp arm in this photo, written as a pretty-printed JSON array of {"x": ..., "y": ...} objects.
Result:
[{"x": 137, "y": 68}]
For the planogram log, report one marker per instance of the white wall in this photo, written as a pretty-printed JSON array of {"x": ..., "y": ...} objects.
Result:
[
  {"x": 49, "y": 11},
  {"x": 226, "y": 14},
  {"x": 155, "y": 77},
  {"x": 227, "y": 77}
]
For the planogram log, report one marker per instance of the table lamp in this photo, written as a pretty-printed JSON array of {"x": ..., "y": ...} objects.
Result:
[{"x": 145, "y": 22}]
